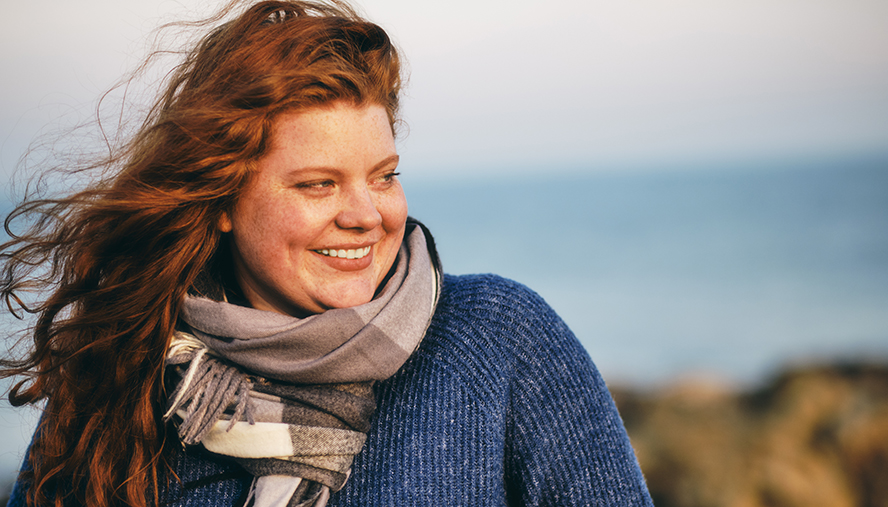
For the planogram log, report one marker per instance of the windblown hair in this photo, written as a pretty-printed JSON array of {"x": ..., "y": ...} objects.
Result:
[{"x": 114, "y": 261}]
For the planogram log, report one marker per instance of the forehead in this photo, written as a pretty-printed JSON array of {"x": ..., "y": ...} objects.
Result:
[
  {"x": 331, "y": 108},
  {"x": 331, "y": 133}
]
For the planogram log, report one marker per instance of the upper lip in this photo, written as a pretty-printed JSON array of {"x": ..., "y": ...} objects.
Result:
[{"x": 347, "y": 247}]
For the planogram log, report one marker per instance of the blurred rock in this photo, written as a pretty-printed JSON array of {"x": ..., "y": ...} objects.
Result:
[{"x": 815, "y": 436}]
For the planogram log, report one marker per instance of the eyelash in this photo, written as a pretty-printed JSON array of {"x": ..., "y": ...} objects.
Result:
[
  {"x": 385, "y": 178},
  {"x": 315, "y": 184}
]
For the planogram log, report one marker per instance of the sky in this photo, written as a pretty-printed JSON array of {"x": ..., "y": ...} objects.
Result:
[{"x": 504, "y": 87}]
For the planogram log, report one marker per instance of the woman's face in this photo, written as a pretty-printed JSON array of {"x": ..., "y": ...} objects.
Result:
[{"x": 322, "y": 220}]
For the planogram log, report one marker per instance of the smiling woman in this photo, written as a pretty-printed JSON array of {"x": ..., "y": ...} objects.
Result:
[
  {"x": 323, "y": 219},
  {"x": 242, "y": 313}
]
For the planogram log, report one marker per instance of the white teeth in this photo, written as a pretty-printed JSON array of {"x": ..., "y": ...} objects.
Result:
[{"x": 345, "y": 254}]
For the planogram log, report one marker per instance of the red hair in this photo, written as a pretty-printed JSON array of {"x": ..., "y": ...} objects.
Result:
[{"x": 118, "y": 257}]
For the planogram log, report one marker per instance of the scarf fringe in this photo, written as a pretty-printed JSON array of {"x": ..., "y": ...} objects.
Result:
[{"x": 207, "y": 389}]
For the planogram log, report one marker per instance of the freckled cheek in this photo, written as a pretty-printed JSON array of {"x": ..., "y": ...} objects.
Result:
[
  {"x": 394, "y": 211},
  {"x": 273, "y": 230}
]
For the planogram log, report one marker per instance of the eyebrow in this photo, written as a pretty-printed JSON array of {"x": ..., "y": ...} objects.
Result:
[
  {"x": 392, "y": 159},
  {"x": 387, "y": 161}
]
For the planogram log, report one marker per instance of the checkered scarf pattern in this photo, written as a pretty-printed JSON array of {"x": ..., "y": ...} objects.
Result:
[{"x": 291, "y": 399}]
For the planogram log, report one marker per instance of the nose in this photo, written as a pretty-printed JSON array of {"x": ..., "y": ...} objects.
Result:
[{"x": 358, "y": 211}]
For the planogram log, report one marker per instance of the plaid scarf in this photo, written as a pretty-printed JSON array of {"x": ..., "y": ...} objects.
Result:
[{"x": 291, "y": 399}]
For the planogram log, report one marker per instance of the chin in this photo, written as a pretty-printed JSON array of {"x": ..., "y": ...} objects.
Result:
[{"x": 349, "y": 297}]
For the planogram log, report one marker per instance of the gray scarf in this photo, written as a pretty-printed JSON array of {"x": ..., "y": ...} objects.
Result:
[{"x": 291, "y": 399}]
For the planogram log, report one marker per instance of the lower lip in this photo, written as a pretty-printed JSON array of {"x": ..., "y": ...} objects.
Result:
[{"x": 347, "y": 264}]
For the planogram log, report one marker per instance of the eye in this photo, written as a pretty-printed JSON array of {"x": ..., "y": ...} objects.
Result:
[
  {"x": 388, "y": 177},
  {"x": 315, "y": 185}
]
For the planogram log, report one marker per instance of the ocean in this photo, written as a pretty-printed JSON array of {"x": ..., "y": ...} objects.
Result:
[{"x": 720, "y": 273}]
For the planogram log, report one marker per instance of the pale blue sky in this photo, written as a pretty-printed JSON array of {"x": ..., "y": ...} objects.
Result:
[{"x": 502, "y": 86}]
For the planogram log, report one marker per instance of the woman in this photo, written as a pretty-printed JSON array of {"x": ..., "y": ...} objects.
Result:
[{"x": 244, "y": 313}]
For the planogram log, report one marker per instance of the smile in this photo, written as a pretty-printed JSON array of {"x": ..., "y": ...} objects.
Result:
[{"x": 345, "y": 254}]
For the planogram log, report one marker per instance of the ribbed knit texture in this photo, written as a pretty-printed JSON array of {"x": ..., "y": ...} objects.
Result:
[{"x": 499, "y": 406}]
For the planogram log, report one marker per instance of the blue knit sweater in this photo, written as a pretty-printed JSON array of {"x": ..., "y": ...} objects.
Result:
[{"x": 500, "y": 405}]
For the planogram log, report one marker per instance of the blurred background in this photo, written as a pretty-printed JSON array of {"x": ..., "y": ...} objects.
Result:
[{"x": 699, "y": 188}]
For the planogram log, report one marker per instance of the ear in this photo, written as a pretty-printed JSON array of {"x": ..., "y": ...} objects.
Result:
[{"x": 224, "y": 223}]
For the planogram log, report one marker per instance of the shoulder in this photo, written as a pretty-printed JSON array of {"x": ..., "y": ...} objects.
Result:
[
  {"x": 494, "y": 299},
  {"x": 490, "y": 305},
  {"x": 486, "y": 287},
  {"x": 490, "y": 326}
]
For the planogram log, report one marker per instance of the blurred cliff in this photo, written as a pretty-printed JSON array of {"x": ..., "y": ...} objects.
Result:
[{"x": 813, "y": 436}]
